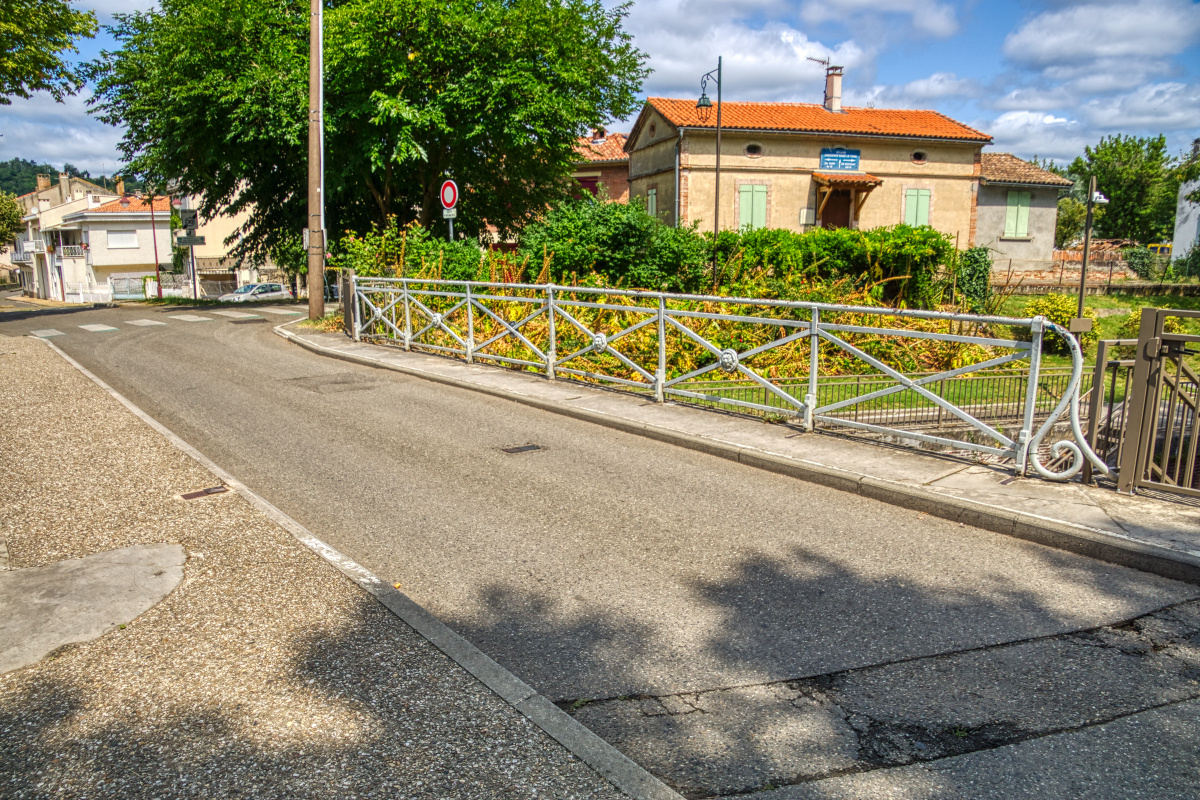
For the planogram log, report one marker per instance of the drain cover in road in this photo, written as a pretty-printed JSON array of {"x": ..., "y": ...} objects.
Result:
[
  {"x": 236, "y": 314},
  {"x": 46, "y": 334},
  {"x": 191, "y": 318},
  {"x": 144, "y": 322},
  {"x": 98, "y": 328}
]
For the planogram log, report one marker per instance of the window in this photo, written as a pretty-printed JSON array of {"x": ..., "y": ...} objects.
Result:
[
  {"x": 652, "y": 202},
  {"x": 752, "y": 207},
  {"x": 122, "y": 239},
  {"x": 754, "y": 150},
  {"x": 1016, "y": 221},
  {"x": 919, "y": 157},
  {"x": 916, "y": 206}
]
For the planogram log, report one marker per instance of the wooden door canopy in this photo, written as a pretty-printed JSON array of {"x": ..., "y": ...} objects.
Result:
[{"x": 859, "y": 183}]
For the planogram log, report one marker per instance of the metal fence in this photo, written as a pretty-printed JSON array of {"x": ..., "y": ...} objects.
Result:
[{"x": 815, "y": 364}]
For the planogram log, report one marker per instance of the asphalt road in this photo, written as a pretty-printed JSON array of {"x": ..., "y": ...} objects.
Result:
[{"x": 602, "y": 565}]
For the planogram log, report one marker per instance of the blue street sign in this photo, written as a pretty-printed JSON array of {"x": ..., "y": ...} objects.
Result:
[{"x": 839, "y": 158}]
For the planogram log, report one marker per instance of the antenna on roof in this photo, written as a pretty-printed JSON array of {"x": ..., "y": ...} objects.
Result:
[{"x": 824, "y": 62}]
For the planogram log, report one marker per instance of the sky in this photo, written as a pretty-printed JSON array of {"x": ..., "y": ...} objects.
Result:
[{"x": 1042, "y": 77}]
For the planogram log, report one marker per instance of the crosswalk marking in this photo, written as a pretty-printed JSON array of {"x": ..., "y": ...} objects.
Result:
[
  {"x": 46, "y": 333},
  {"x": 96, "y": 328},
  {"x": 237, "y": 314},
  {"x": 279, "y": 311},
  {"x": 191, "y": 318},
  {"x": 144, "y": 322}
]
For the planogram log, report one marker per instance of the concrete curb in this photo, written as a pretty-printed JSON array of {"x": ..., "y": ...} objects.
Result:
[
  {"x": 1091, "y": 542},
  {"x": 598, "y": 754},
  {"x": 9, "y": 316}
]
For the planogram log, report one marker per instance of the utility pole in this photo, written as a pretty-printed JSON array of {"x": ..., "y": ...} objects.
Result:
[{"x": 316, "y": 199}]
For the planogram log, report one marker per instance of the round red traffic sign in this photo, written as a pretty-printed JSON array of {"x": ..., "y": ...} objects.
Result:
[{"x": 449, "y": 194}]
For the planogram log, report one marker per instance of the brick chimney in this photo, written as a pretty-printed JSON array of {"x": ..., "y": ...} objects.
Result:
[
  {"x": 120, "y": 187},
  {"x": 43, "y": 182},
  {"x": 64, "y": 187},
  {"x": 833, "y": 89}
]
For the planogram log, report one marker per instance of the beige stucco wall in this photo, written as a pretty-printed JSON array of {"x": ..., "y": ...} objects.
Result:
[
  {"x": 786, "y": 166},
  {"x": 1035, "y": 251}
]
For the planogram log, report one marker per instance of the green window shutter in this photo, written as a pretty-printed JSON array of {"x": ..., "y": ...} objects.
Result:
[
  {"x": 745, "y": 206},
  {"x": 1010, "y": 215},
  {"x": 1023, "y": 213},
  {"x": 916, "y": 207},
  {"x": 760, "y": 207},
  {"x": 652, "y": 202}
]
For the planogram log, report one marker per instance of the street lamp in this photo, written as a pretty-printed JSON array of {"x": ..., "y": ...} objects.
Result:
[
  {"x": 704, "y": 105},
  {"x": 1081, "y": 324}
]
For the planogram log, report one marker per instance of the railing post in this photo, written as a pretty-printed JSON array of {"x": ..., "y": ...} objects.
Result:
[
  {"x": 1094, "y": 403},
  {"x": 551, "y": 350},
  {"x": 407, "y": 316},
  {"x": 348, "y": 301},
  {"x": 1141, "y": 404},
  {"x": 660, "y": 375},
  {"x": 814, "y": 347},
  {"x": 470, "y": 328},
  {"x": 1037, "y": 331}
]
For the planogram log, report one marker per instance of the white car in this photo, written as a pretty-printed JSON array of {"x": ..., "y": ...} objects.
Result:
[{"x": 257, "y": 291}]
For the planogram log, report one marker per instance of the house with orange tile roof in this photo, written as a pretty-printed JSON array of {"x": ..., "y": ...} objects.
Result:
[
  {"x": 603, "y": 162},
  {"x": 73, "y": 251},
  {"x": 1018, "y": 211},
  {"x": 802, "y": 165}
]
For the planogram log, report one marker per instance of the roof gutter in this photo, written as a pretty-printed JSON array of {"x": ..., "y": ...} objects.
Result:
[{"x": 849, "y": 134}]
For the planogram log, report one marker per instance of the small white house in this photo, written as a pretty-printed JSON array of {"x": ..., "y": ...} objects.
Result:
[{"x": 73, "y": 251}]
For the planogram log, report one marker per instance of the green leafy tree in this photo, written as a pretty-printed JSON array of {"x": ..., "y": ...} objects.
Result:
[
  {"x": 1068, "y": 228},
  {"x": 490, "y": 92},
  {"x": 1141, "y": 182},
  {"x": 10, "y": 219},
  {"x": 34, "y": 35}
]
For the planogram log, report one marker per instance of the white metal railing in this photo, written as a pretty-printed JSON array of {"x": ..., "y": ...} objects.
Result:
[
  {"x": 36, "y": 245},
  {"x": 21, "y": 257},
  {"x": 72, "y": 251},
  {"x": 88, "y": 293},
  {"x": 662, "y": 344}
]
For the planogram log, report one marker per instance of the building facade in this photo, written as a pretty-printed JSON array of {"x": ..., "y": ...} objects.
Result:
[
  {"x": 1018, "y": 212},
  {"x": 603, "y": 164},
  {"x": 797, "y": 165},
  {"x": 1187, "y": 215}
]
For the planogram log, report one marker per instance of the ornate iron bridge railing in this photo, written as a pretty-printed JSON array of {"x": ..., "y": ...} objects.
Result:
[{"x": 709, "y": 349}]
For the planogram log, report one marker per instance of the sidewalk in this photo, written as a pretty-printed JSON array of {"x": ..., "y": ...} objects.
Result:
[
  {"x": 1156, "y": 535},
  {"x": 264, "y": 672}
]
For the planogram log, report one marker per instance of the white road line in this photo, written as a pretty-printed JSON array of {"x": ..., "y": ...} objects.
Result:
[
  {"x": 46, "y": 333},
  {"x": 237, "y": 314},
  {"x": 144, "y": 322},
  {"x": 190, "y": 318},
  {"x": 96, "y": 328},
  {"x": 280, "y": 311}
]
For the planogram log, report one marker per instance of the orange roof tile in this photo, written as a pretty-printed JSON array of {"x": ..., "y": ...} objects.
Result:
[
  {"x": 814, "y": 118},
  {"x": 612, "y": 148},
  {"x": 1007, "y": 168},
  {"x": 136, "y": 205},
  {"x": 847, "y": 177}
]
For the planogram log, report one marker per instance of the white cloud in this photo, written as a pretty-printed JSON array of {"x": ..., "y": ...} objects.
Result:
[
  {"x": 1090, "y": 32},
  {"x": 935, "y": 19},
  {"x": 42, "y": 130},
  {"x": 921, "y": 93},
  {"x": 1028, "y": 133},
  {"x": 1159, "y": 107}
]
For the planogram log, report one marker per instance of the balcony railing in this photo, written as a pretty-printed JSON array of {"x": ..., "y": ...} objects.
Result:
[
  {"x": 22, "y": 257},
  {"x": 72, "y": 251}
]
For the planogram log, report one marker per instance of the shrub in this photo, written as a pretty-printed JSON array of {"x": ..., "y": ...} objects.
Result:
[
  {"x": 393, "y": 251},
  {"x": 1188, "y": 265},
  {"x": 1133, "y": 322},
  {"x": 975, "y": 278},
  {"x": 1141, "y": 261},
  {"x": 1059, "y": 309},
  {"x": 620, "y": 242}
]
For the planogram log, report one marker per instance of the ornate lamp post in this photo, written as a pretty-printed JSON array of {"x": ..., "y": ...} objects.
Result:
[{"x": 705, "y": 107}]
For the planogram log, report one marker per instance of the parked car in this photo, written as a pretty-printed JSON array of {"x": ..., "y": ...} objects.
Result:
[
  {"x": 1163, "y": 250},
  {"x": 257, "y": 291}
]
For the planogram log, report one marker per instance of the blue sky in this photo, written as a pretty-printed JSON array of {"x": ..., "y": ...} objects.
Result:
[{"x": 1043, "y": 78}]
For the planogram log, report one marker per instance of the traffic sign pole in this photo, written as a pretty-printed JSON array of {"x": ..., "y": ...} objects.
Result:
[{"x": 449, "y": 197}]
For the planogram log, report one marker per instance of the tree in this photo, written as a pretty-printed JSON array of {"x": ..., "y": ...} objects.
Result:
[
  {"x": 490, "y": 92},
  {"x": 33, "y": 36},
  {"x": 10, "y": 219},
  {"x": 1140, "y": 181},
  {"x": 1071, "y": 215}
]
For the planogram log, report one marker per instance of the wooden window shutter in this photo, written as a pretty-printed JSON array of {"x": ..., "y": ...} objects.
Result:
[{"x": 745, "y": 207}]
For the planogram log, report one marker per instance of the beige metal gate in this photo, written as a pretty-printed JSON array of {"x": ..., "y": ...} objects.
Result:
[{"x": 1162, "y": 426}]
